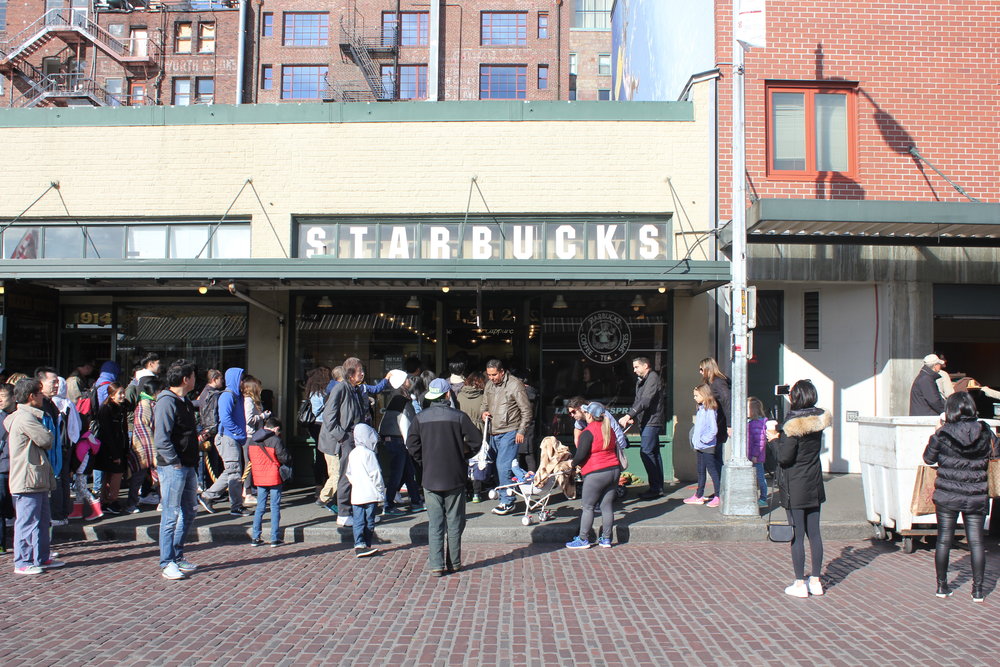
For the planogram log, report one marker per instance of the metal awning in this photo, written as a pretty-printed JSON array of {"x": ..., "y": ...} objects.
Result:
[{"x": 826, "y": 221}]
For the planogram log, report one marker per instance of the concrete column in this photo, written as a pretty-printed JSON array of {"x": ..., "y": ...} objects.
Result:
[
  {"x": 434, "y": 51},
  {"x": 909, "y": 318}
]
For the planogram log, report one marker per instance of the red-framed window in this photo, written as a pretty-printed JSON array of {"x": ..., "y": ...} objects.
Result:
[
  {"x": 504, "y": 29},
  {"x": 415, "y": 30},
  {"x": 811, "y": 130},
  {"x": 543, "y": 25},
  {"x": 503, "y": 82}
]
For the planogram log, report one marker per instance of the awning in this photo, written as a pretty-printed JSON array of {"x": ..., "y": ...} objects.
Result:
[{"x": 826, "y": 221}]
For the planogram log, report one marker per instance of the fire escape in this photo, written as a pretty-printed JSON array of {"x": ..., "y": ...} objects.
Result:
[
  {"x": 72, "y": 27},
  {"x": 365, "y": 47}
]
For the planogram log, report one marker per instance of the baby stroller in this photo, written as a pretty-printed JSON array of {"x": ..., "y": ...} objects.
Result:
[{"x": 536, "y": 498}]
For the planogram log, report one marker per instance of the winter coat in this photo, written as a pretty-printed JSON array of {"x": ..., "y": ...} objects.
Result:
[
  {"x": 363, "y": 471},
  {"x": 113, "y": 435},
  {"x": 647, "y": 408},
  {"x": 556, "y": 458},
  {"x": 343, "y": 410},
  {"x": 962, "y": 452},
  {"x": 254, "y": 415},
  {"x": 267, "y": 454},
  {"x": 143, "y": 450},
  {"x": 705, "y": 431},
  {"x": 470, "y": 401},
  {"x": 176, "y": 430},
  {"x": 442, "y": 439},
  {"x": 756, "y": 440},
  {"x": 925, "y": 398},
  {"x": 723, "y": 396},
  {"x": 800, "y": 441},
  {"x": 398, "y": 416},
  {"x": 232, "y": 420},
  {"x": 508, "y": 406},
  {"x": 28, "y": 441}
]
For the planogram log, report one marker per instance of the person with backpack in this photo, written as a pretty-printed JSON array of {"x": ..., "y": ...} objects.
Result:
[
  {"x": 208, "y": 418},
  {"x": 229, "y": 443}
]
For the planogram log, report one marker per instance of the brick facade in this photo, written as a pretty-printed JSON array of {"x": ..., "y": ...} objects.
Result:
[{"x": 922, "y": 78}]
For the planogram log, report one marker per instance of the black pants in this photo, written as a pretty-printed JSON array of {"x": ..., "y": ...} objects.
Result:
[
  {"x": 599, "y": 493},
  {"x": 319, "y": 465},
  {"x": 946, "y": 520},
  {"x": 344, "y": 507},
  {"x": 805, "y": 523}
]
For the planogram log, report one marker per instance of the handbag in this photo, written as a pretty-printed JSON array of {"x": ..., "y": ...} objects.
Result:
[
  {"x": 923, "y": 491},
  {"x": 623, "y": 459},
  {"x": 993, "y": 469},
  {"x": 305, "y": 414}
]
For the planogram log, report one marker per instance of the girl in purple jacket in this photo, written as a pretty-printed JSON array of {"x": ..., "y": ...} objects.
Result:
[{"x": 757, "y": 443}]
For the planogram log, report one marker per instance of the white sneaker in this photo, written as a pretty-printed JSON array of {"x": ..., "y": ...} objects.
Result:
[
  {"x": 159, "y": 507},
  {"x": 378, "y": 519},
  {"x": 345, "y": 521},
  {"x": 151, "y": 499},
  {"x": 798, "y": 589},
  {"x": 815, "y": 586},
  {"x": 171, "y": 571},
  {"x": 249, "y": 500}
]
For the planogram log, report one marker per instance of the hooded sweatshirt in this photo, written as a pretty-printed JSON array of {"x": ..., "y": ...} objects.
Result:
[
  {"x": 363, "y": 471},
  {"x": 109, "y": 373},
  {"x": 176, "y": 430},
  {"x": 232, "y": 418}
]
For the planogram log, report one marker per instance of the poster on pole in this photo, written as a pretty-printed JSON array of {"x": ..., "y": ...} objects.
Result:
[{"x": 751, "y": 23}]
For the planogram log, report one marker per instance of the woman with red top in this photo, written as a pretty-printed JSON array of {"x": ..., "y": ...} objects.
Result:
[{"x": 597, "y": 457}]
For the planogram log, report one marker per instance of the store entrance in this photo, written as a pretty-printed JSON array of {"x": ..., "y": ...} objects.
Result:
[{"x": 477, "y": 327}]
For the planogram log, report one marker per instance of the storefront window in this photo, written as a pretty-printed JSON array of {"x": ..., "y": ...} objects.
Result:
[{"x": 210, "y": 335}]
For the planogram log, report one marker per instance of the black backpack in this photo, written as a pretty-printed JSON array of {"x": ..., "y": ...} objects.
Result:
[
  {"x": 305, "y": 415},
  {"x": 209, "y": 411}
]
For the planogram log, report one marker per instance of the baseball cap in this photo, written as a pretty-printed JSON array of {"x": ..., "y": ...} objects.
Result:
[
  {"x": 932, "y": 359},
  {"x": 595, "y": 409},
  {"x": 438, "y": 388}
]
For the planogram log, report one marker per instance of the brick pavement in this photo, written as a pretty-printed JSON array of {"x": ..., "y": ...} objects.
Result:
[{"x": 310, "y": 604}]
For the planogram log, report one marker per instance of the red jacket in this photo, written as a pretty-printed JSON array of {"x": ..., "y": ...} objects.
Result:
[{"x": 267, "y": 452}]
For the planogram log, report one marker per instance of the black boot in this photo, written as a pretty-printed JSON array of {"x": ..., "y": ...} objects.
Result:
[
  {"x": 942, "y": 589},
  {"x": 977, "y": 592}
]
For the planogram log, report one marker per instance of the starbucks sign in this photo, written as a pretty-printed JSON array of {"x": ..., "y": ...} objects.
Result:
[{"x": 604, "y": 337}]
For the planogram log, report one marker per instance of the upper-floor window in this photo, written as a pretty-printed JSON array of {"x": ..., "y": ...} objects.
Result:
[
  {"x": 182, "y": 92},
  {"x": 206, "y": 37},
  {"x": 504, "y": 29},
  {"x": 415, "y": 30},
  {"x": 182, "y": 38},
  {"x": 572, "y": 63},
  {"x": 543, "y": 25},
  {"x": 204, "y": 87},
  {"x": 413, "y": 82},
  {"x": 543, "y": 77},
  {"x": 267, "y": 24},
  {"x": 303, "y": 82},
  {"x": 306, "y": 28},
  {"x": 604, "y": 64},
  {"x": 502, "y": 82},
  {"x": 266, "y": 77},
  {"x": 811, "y": 130},
  {"x": 3, "y": 14},
  {"x": 592, "y": 14}
]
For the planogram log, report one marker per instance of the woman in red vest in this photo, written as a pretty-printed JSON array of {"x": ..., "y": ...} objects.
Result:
[{"x": 597, "y": 456}]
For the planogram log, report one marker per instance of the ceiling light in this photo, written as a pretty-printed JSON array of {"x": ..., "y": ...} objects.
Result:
[
  {"x": 638, "y": 302},
  {"x": 413, "y": 303},
  {"x": 445, "y": 289},
  {"x": 661, "y": 289},
  {"x": 202, "y": 289},
  {"x": 560, "y": 302},
  {"x": 324, "y": 302}
]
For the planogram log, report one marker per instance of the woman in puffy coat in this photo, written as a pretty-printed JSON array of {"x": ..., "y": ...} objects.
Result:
[
  {"x": 799, "y": 442},
  {"x": 961, "y": 448}
]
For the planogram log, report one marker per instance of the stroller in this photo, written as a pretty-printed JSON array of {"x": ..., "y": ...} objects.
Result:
[{"x": 556, "y": 468}]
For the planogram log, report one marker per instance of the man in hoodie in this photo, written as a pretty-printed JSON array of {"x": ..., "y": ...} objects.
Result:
[
  {"x": 442, "y": 439},
  {"x": 367, "y": 488},
  {"x": 229, "y": 443},
  {"x": 176, "y": 440},
  {"x": 31, "y": 478}
]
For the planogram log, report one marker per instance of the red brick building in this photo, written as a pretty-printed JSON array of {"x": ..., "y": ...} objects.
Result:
[{"x": 69, "y": 52}]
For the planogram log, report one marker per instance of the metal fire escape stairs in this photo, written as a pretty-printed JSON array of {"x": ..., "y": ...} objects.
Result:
[
  {"x": 71, "y": 27},
  {"x": 363, "y": 47}
]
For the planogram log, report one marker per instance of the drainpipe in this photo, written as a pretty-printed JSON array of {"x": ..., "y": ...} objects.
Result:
[
  {"x": 240, "y": 49},
  {"x": 559, "y": 5},
  {"x": 434, "y": 51}
]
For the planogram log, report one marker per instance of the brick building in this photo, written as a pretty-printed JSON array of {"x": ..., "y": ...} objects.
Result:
[
  {"x": 72, "y": 52},
  {"x": 872, "y": 197}
]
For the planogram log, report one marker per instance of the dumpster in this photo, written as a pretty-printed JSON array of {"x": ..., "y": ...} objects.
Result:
[{"x": 891, "y": 448}]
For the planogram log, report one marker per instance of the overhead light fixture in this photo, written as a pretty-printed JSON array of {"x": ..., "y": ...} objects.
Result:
[
  {"x": 202, "y": 289},
  {"x": 445, "y": 289},
  {"x": 324, "y": 302},
  {"x": 560, "y": 302},
  {"x": 3, "y": 288},
  {"x": 638, "y": 302},
  {"x": 414, "y": 302},
  {"x": 661, "y": 289}
]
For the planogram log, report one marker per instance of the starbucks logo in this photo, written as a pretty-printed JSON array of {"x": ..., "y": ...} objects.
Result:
[{"x": 604, "y": 337}]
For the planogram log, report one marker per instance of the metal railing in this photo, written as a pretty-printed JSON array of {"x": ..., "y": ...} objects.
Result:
[
  {"x": 352, "y": 37},
  {"x": 43, "y": 86},
  {"x": 80, "y": 22}
]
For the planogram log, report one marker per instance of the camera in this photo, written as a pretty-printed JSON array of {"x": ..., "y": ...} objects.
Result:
[{"x": 781, "y": 389}]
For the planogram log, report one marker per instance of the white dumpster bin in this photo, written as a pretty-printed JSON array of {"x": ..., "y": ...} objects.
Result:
[{"x": 891, "y": 448}]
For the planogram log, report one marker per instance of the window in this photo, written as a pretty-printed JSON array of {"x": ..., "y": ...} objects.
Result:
[
  {"x": 266, "y": 77},
  {"x": 415, "y": 31},
  {"x": 115, "y": 29},
  {"x": 810, "y": 130},
  {"x": 572, "y": 63},
  {"x": 592, "y": 14},
  {"x": 504, "y": 28},
  {"x": 306, "y": 29},
  {"x": 502, "y": 82},
  {"x": 3, "y": 15},
  {"x": 182, "y": 38},
  {"x": 205, "y": 89},
  {"x": 182, "y": 92},
  {"x": 206, "y": 37},
  {"x": 543, "y": 25},
  {"x": 604, "y": 64},
  {"x": 137, "y": 93},
  {"x": 388, "y": 82},
  {"x": 267, "y": 24},
  {"x": 303, "y": 82},
  {"x": 413, "y": 82},
  {"x": 604, "y": 94},
  {"x": 127, "y": 240},
  {"x": 810, "y": 319},
  {"x": 543, "y": 77}
]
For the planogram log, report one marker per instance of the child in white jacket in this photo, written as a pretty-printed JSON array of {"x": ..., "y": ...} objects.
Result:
[{"x": 367, "y": 487}]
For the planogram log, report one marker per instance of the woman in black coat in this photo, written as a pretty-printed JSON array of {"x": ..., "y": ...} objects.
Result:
[
  {"x": 111, "y": 458},
  {"x": 961, "y": 448},
  {"x": 714, "y": 378},
  {"x": 799, "y": 442}
]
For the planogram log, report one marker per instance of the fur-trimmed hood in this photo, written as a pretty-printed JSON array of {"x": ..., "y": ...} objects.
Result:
[{"x": 804, "y": 422}]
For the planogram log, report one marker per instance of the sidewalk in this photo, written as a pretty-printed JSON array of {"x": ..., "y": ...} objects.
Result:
[{"x": 642, "y": 522}]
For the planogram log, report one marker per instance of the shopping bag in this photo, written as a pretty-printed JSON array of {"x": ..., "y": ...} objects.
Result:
[
  {"x": 483, "y": 457},
  {"x": 923, "y": 491},
  {"x": 993, "y": 477}
]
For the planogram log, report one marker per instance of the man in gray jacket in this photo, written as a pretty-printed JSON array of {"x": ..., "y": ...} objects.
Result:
[
  {"x": 31, "y": 479},
  {"x": 344, "y": 409},
  {"x": 506, "y": 405}
]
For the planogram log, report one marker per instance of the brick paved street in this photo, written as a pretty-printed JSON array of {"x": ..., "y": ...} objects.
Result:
[{"x": 310, "y": 604}]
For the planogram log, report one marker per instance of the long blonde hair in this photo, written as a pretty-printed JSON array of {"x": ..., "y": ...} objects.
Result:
[
  {"x": 251, "y": 388},
  {"x": 707, "y": 398},
  {"x": 710, "y": 370}
]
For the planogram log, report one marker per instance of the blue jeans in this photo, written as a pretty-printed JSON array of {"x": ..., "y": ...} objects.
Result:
[
  {"x": 712, "y": 463},
  {"x": 31, "y": 528},
  {"x": 761, "y": 480},
  {"x": 364, "y": 524},
  {"x": 504, "y": 450},
  {"x": 179, "y": 495},
  {"x": 263, "y": 492},
  {"x": 652, "y": 461}
]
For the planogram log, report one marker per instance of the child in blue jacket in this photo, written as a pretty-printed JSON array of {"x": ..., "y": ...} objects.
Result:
[{"x": 703, "y": 441}]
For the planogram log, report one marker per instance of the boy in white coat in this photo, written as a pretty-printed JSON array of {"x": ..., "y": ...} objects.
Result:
[{"x": 367, "y": 487}]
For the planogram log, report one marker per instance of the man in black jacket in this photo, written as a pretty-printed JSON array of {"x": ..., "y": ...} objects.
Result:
[
  {"x": 925, "y": 397},
  {"x": 647, "y": 409},
  {"x": 441, "y": 439}
]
